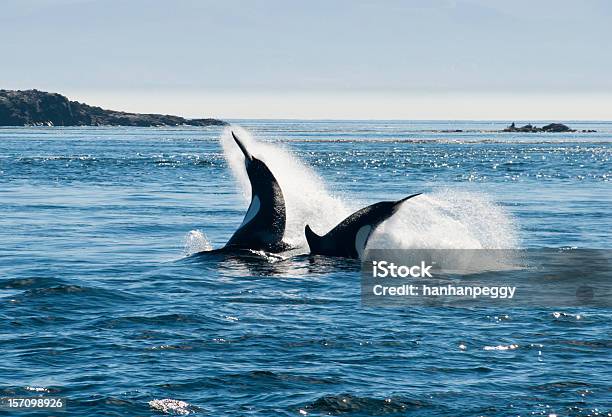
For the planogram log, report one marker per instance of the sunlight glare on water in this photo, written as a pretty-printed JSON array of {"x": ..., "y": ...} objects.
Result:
[{"x": 102, "y": 304}]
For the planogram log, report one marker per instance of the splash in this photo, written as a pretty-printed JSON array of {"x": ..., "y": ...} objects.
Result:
[
  {"x": 196, "y": 241},
  {"x": 171, "y": 406},
  {"x": 306, "y": 197},
  {"x": 448, "y": 219}
]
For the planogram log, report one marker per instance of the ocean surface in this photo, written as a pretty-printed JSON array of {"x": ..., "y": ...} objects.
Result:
[{"x": 104, "y": 302}]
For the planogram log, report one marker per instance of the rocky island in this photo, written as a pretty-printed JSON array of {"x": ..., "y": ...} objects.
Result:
[
  {"x": 552, "y": 127},
  {"x": 39, "y": 108}
]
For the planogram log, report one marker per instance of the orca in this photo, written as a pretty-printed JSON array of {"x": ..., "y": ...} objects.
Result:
[
  {"x": 349, "y": 238},
  {"x": 263, "y": 226}
]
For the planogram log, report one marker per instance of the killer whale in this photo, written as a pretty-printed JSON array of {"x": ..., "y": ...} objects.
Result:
[
  {"x": 263, "y": 226},
  {"x": 349, "y": 238}
]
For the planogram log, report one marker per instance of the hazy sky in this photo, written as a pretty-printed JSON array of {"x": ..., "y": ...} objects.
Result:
[{"x": 411, "y": 59}]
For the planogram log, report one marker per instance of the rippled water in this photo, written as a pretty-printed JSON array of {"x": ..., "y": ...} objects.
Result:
[{"x": 101, "y": 305}]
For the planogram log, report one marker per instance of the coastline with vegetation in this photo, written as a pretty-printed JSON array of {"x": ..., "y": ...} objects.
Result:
[{"x": 40, "y": 108}]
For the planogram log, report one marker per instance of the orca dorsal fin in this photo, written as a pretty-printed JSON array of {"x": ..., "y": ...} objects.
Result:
[
  {"x": 398, "y": 202},
  {"x": 312, "y": 238}
]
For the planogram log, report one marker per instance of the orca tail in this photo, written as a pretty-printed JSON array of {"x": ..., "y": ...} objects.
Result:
[{"x": 312, "y": 238}]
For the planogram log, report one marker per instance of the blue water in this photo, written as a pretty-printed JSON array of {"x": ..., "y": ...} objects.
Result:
[{"x": 101, "y": 305}]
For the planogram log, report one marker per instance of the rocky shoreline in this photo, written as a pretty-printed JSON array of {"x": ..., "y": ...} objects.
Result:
[{"x": 39, "y": 108}]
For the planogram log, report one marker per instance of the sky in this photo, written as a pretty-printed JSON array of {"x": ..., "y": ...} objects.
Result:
[{"x": 317, "y": 59}]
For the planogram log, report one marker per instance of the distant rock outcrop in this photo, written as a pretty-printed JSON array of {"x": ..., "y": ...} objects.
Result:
[
  {"x": 557, "y": 127},
  {"x": 552, "y": 127},
  {"x": 39, "y": 108}
]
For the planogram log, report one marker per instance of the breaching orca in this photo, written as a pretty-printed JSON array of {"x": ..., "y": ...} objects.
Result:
[
  {"x": 349, "y": 238},
  {"x": 263, "y": 226}
]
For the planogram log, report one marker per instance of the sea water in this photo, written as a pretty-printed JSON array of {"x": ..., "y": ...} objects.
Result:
[{"x": 102, "y": 303}]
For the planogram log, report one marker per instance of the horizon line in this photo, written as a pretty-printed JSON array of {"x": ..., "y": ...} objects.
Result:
[{"x": 288, "y": 119}]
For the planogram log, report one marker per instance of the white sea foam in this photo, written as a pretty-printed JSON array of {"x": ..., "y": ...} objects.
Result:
[
  {"x": 559, "y": 315},
  {"x": 170, "y": 406},
  {"x": 36, "y": 389},
  {"x": 448, "y": 219},
  {"x": 501, "y": 347}
]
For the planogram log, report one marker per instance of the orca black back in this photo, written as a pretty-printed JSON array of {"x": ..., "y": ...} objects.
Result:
[{"x": 350, "y": 237}]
